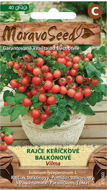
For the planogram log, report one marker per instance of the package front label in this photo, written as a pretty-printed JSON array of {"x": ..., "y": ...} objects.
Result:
[{"x": 53, "y": 95}]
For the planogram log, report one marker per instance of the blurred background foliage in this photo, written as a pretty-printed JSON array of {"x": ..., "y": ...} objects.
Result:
[{"x": 10, "y": 16}]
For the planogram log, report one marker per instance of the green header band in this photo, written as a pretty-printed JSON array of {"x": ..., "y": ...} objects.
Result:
[{"x": 14, "y": 7}]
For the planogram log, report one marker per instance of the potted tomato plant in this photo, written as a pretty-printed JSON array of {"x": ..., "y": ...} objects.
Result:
[{"x": 53, "y": 91}]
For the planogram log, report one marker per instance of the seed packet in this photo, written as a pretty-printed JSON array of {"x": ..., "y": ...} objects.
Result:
[{"x": 53, "y": 95}]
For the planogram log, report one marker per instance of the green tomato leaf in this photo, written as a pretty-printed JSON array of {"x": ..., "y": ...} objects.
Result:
[
  {"x": 53, "y": 108},
  {"x": 56, "y": 118},
  {"x": 8, "y": 55},
  {"x": 10, "y": 100},
  {"x": 19, "y": 97},
  {"x": 6, "y": 130},
  {"x": 104, "y": 89},
  {"x": 92, "y": 71},
  {"x": 86, "y": 110},
  {"x": 3, "y": 68},
  {"x": 59, "y": 66},
  {"x": 36, "y": 105},
  {"x": 100, "y": 51},
  {"x": 6, "y": 94},
  {"x": 18, "y": 110},
  {"x": 50, "y": 122},
  {"x": 94, "y": 98},
  {"x": 100, "y": 88},
  {"x": 32, "y": 52},
  {"x": 70, "y": 101},
  {"x": 35, "y": 98},
  {"x": 60, "y": 116},
  {"x": 6, "y": 110}
]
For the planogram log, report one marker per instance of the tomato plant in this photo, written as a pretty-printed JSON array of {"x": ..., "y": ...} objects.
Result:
[
  {"x": 51, "y": 84},
  {"x": 6, "y": 137}
]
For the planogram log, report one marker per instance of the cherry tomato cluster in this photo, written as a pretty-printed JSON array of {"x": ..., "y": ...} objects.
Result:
[
  {"x": 35, "y": 77},
  {"x": 5, "y": 140}
]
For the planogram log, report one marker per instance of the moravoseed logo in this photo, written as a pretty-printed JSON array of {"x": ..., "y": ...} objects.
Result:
[
  {"x": 50, "y": 33},
  {"x": 10, "y": 33}
]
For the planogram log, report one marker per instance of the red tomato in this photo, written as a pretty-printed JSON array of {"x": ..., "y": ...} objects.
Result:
[
  {"x": 26, "y": 102},
  {"x": 74, "y": 86},
  {"x": 78, "y": 96},
  {"x": 29, "y": 68},
  {"x": 14, "y": 83},
  {"x": 94, "y": 82},
  {"x": 61, "y": 60},
  {"x": 57, "y": 74},
  {"x": 3, "y": 147},
  {"x": 55, "y": 88},
  {"x": 2, "y": 136},
  {"x": 87, "y": 92},
  {"x": 10, "y": 63},
  {"x": 67, "y": 49},
  {"x": 8, "y": 139},
  {"x": 21, "y": 64},
  {"x": 80, "y": 89},
  {"x": 48, "y": 76},
  {"x": 43, "y": 117},
  {"x": 27, "y": 57},
  {"x": 63, "y": 90},
  {"x": 73, "y": 72},
  {"x": 33, "y": 92},
  {"x": 81, "y": 56},
  {"x": 39, "y": 62},
  {"x": 16, "y": 66},
  {"x": 76, "y": 66},
  {"x": 6, "y": 103},
  {"x": 76, "y": 59},
  {"x": 69, "y": 79},
  {"x": 35, "y": 113},
  {"x": 45, "y": 68},
  {"x": 47, "y": 110},
  {"x": 37, "y": 71},
  {"x": 50, "y": 91},
  {"x": 47, "y": 85},
  {"x": 21, "y": 89},
  {"x": 48, "y": 53},
  {"x": 67, "y": 58},
  {"x": 25, "y": 81},
  {"x": 71, "y": 92},
  {"x": 51, "y": 100},
  {"x": 42, "y": 52},
  {"x": 42, "y": 98},
  {"x": 54, "y": 53},
  {"x": 28, "y": 94},
  {"x": 89, "y": 56},
  {"x": 41, "y": 90},
  {"x": 61, "y": 55},
  {"x": 36, "y": 80},
  {"x": 86, "y": 59},
  {"x": 21, "y": 73},
  {"x": 69, "y": 63},
  {"x": 37, "y": 121},
  {"x": 79, "y": 79},
  {"x": 62, "y": 81}
]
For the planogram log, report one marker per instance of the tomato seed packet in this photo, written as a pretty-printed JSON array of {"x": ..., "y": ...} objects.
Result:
[{"x": 53, "y": 95}]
